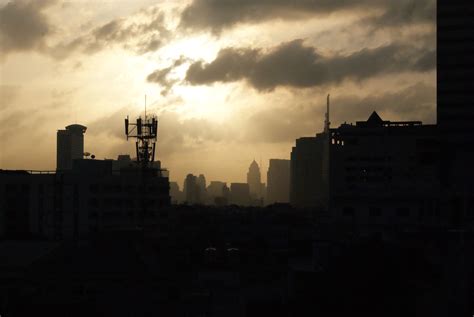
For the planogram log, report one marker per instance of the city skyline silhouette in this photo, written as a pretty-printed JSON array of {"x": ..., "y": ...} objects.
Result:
[
  {"x": 291, "y": 158},
  {"x": 252, "y": 84}
]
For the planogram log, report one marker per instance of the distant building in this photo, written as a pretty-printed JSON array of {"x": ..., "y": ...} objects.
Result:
[
  {"x": 278, "y": 181},
  {"x": 215, "y": 188},
  {"x": 192, "y": 190},
  {"x": 240, "y": 194},
  {"x": 176, "y": 194},
  {"x": 70, "y": 146},
  {"x": 225, "y": 196},
  {"x": 201, "y": 182},
  {"x": 254, "y": 181}
]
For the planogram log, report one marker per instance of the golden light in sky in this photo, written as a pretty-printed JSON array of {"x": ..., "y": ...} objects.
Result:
[{"x": 230, "y": 80}]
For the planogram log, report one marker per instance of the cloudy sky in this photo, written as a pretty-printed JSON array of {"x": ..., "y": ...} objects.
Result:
[{"x": 230, "y": 80}]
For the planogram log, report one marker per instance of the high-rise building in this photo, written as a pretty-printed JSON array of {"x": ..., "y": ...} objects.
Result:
[
  {"x": 240, "y": 194},
  {"x": 215, "y": 189},
  {"x": 175, "y": 193},
  {"x": 201, "y": 181},
  {"x": 70, "y": 146},
  {"x": 455, "y": 111},
  {"x": 306, "y": 172},
  {"x": 309, "y": 168},
  {"x": 254, "y": 181},
  {"x": 278, "y": 181},
  {"x": 384, "y": 172},
  {"x": 192, "y": 191},
  {"x": 455, "y": 68}
]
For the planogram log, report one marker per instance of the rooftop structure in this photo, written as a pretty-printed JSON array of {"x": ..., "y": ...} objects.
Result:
[{"x": 70, "y": 146}]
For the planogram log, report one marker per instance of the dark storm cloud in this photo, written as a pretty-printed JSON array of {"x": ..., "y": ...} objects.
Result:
[
  {"x": 426, "y": 62},
  {"x": 293, "y": 64},
  {"x": 405, "y": 12},
  {"x": 219, "y": 14},
  {"x": 23, "y": 25},
  {"x": 305, "y": 118}
]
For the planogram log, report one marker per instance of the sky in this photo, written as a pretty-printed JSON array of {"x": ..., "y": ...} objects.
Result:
[{"x": 230, "y": 80}]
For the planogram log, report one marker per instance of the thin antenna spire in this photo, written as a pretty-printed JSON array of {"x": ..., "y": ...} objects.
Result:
[
  {"x": 327, "y": 123},
  {"x": 145, "y": 107}
]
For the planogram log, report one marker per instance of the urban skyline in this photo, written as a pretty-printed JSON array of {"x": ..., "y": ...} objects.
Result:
[
  {"x": 236, "y": 158},
  {"x": 92, "y": 62}
]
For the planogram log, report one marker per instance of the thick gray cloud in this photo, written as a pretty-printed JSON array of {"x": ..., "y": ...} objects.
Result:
[
  {"x": 293, "y": 64},
  {"x": 406, "y": 12},
  {"x": 219, "y": 14},
  {"x": 23, "y": 25}
]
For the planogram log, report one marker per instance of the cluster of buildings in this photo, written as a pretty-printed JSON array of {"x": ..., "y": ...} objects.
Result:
[
  {"x": 83, "y": 196},
  {"x": 377, "y": 174},
  {"x": 367, "y": 176},
  {"x": 251, "y": 193}
]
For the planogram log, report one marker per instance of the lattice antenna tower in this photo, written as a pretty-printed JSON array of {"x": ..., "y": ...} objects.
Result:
[{"x": 145, "y": 131}]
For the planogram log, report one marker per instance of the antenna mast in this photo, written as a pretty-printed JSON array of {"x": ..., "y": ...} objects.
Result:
[
  {"x": 146, "y": 132},
  {"x": 327, "y": 123}
]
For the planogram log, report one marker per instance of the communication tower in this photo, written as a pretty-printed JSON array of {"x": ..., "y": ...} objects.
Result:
[{"x": 145, "y": 131}]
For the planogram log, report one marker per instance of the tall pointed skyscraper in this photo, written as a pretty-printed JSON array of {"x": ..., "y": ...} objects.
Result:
[{"x": 254, "y": 180}]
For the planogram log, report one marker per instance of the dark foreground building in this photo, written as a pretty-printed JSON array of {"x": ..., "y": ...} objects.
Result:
[
  {"x": 91, "y": 197},
  {"x": 384, "y": 173}
]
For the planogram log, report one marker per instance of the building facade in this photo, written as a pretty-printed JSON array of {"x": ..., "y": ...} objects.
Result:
[
  {"x": 240, "y": 194},
  {"x": 73, "y": 204},
  {"x": 278, "y": 181},
  {"x": 384, "y": 173},
  {"x": 70, "y": 146},
  {"x": 308, "y": 172}
]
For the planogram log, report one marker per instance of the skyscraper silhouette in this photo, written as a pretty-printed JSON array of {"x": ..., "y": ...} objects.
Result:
[
  {"x": 70, "y": 146},
  {"x": 278, "y": 181},
  {"x": 254, "y": 180}
]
